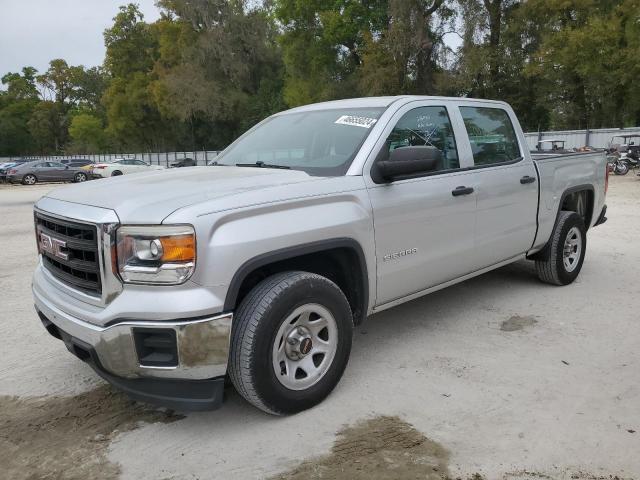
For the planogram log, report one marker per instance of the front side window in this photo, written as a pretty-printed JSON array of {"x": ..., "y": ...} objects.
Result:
[
  {"x": 319, "y": 142},
  {"x": 426, "y": 126},
  {"x": 492, "y": 136}
]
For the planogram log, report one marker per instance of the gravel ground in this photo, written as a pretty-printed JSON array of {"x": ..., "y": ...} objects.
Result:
[{"x": 501, "y": 377}]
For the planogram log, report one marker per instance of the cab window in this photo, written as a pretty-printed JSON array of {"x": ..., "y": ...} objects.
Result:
[
  {"x": 491, "y": 134},
  {"x": 426, "y": 126}
]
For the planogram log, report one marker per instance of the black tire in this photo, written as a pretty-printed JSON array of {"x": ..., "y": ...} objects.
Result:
[
  {"x": 255, "y": 326},
  {"x": 550, "y": 263},
  {"x": 621, "y": 168},
  {"x": 80, "y": 177},
  {"x": 116, "y": 173},
  {"x": 29, "y": 179}
]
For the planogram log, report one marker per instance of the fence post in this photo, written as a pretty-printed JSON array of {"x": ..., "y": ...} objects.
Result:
[{"x": 587, "y": 134}]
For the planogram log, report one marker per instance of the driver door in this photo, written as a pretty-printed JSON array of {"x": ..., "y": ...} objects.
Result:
[
  {"x": 424, "y": 233},
  {"x": 59, "y": 171}
]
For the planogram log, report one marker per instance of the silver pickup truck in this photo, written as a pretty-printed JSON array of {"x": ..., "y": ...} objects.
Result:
[{"x": 257, "y": 267}]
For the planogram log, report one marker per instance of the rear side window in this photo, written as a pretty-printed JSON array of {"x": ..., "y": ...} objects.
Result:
[
  {"x": 426, "y": 126},
  {"x": 492, "y": 136}
]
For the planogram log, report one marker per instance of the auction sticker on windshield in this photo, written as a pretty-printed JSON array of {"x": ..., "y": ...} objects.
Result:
[{"x": 354, "y": 121}]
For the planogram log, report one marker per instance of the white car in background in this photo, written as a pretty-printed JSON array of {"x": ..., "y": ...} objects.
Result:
[{"x": 122, "y": 166}]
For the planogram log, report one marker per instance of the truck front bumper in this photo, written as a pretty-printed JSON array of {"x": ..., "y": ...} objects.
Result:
[{"x": 180, "y": 364}]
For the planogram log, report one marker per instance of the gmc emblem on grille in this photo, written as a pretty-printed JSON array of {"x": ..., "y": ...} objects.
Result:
[{"x": 53, "y": 245}]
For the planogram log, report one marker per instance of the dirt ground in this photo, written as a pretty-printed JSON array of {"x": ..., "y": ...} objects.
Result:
[{"x": 501, "y": 377}]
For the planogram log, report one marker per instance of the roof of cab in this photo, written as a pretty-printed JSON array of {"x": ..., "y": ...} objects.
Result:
[{"x": 377, "y": 102}]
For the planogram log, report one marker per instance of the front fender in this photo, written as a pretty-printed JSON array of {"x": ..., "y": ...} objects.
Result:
[{"x": 229, "y": 240}]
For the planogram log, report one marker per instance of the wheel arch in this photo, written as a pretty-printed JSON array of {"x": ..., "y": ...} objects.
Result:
[
  {"x": 341, "y": 260},
  {"x": 569, "y": 201}
]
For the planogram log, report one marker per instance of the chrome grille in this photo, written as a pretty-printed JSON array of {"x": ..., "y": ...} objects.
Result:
[{"x": 76, "y": 262}]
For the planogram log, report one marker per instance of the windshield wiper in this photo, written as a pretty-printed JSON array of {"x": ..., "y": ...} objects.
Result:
[{"x": 261, "y": 164}]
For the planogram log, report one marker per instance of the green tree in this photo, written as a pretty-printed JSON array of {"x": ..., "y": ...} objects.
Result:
[
  {"x": 17, "y": 103},
  {"x": 583, "y": 61},
  {"x": 130, "y": 45},
  {"x": 323, "y": 44},
  {"x": 408, "y": 55},
  {"x": 133, "y": 119},
  {"x": 45, "y": 128},
  {"x": 87, "y": 134},
  {"x": 219, "y": 69}
]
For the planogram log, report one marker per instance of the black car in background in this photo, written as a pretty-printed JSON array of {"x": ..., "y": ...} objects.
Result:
[
  {"x": 77, "y": 163},
  {"x": 184, "y": 162}
]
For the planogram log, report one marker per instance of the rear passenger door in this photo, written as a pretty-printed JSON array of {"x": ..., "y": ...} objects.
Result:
[
  {"x": 60, "y": 172},
  {"x": 423, "y": 232},
  {"x": 506, "y": 184},
  {"x": 44, "y": 171}
]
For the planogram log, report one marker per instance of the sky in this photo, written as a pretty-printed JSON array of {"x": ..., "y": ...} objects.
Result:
[{"x": 33, "y": 32}]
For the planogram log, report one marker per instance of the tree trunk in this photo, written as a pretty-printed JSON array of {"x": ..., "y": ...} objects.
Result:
[{"x": 494, "y": 11}]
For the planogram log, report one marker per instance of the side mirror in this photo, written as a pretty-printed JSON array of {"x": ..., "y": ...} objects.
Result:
[
  {"x": 66, "y": 167},
  {"x": 406, "y": 161}
]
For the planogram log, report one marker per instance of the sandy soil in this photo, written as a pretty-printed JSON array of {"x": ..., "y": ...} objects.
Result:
[
  {"x": 500, "y": 377},
  {"x": 67, "y": 437}
]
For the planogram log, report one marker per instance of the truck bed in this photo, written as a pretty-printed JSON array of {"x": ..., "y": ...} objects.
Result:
[{"x": 560, "y": 173}]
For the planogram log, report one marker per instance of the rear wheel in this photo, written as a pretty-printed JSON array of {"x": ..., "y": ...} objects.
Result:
[
  {"x": 116, "y": 173},
  {"x": 621, "y": 168},
  {"x": 80, "y": 177},
  {"x": 291, "y": 341},
  {"x": 29, "y": 179},
  {"x": 561, "y": 261}
]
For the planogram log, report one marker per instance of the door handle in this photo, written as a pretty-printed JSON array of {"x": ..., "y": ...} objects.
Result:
[
  {"x": 462, "y": 190},
  {"x": 527, "y": 179}
]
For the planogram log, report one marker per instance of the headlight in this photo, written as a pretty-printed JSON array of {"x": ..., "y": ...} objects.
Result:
[{"x": 164, "y": 255}]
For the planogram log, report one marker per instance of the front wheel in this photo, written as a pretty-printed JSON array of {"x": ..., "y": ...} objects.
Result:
[
  {"x": 561, "y": 261},
  {"x": 291, "y": 341},
  {"x": 621, "y": 168},
  {"x": 80, "y": 177}
]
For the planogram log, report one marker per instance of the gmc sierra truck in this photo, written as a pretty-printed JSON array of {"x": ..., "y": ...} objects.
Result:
[{"x": 258, "y": 267}]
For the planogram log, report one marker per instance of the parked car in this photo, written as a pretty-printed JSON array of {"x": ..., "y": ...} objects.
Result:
[
  {"x": 4, "y": 168},
  {"x": 184, "y": 162},
  {"x": 122, "y": 166},
  {"x": 30, "y": 173},
  {"x": 80, "y": 163},
  {"x": 258, "y": 268}
]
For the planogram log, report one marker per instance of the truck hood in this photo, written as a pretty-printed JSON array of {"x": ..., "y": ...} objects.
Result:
[{"x": 150, "y": 197}]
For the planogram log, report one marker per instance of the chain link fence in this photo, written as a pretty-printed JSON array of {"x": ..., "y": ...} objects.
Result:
[
  {"x": 598, "y": 138},
  {"x": 202, "y": 157}
]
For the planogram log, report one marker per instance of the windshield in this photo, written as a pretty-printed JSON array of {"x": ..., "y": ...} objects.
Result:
[{"x": 321, "y": 142}]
